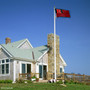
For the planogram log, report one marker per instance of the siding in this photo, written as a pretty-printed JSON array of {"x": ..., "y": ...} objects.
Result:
[
  {"x": 25, "y": 46},
  {"x": 3, "y": 54}
]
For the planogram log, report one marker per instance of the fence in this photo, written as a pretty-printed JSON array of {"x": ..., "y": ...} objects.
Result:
[
  {"x": 68, "y": 76},
  {"x": 28, "y": 76}
]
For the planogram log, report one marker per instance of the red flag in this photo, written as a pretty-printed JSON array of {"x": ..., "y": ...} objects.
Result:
[{"x": 62, "y": 13}]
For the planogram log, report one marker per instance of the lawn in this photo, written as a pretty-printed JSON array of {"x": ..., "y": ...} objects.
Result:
[{"x": 42, "y": 86}]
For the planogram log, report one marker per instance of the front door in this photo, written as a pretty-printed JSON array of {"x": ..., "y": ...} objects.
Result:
[
  {"x": 28, "y": 68},
  {"x": 43, "y": 73}
]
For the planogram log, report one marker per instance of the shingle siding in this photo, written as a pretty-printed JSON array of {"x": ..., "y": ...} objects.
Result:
[{"x": 3, "y": 54}]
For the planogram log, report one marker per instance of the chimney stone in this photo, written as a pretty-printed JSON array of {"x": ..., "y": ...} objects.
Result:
[{"x": 7, "y": 40}]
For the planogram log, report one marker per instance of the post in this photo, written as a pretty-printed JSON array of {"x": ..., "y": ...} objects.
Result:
[
  {"x": 42, "y": 68},
  {"x": 54, "y": 43},
  {"x": 83, "y": 77}
]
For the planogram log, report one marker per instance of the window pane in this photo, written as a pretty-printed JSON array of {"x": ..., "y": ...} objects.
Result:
[
  {"x": 40, "y": 71},
  {"x": 7, "y": 60},
  {"x": 60, "y": 70},
  {"x": 23, "y": 68},
  {"x": 7, "y": 68},
  {"x": 3, "y": 61},
  {"x": 3, "y": 69}
]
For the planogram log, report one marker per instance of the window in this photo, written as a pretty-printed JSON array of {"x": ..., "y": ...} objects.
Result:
[
  {"x": 23, "y": 68},
  {"x": 40, "y": 71},
  {"x": 7, "y": 68},
  {"x": 3, "y": 61},
  {"x": 7, "y": 60},
  {"x": 4, "y": 66},
  {"x": 60, "y": 70}
]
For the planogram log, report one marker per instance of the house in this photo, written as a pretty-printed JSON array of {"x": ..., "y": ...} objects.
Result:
[{"x": 21, "y": 57}]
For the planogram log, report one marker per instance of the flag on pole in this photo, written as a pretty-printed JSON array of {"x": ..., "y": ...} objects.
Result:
[{"x": 62, "y": 13}]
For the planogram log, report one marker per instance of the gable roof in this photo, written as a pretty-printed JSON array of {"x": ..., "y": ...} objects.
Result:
[{"x": 24, "y": 53}]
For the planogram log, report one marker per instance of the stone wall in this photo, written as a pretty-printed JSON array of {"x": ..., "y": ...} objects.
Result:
[{"x": 51, "y": 54}]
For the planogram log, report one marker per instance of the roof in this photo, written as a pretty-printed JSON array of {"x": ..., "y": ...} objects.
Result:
[{"x": 25, "y": 53}]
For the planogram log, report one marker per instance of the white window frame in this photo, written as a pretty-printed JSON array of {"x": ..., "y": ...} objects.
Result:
[
  {"x": 5, "y": 64},
  {"x": 24, "y": 62}
]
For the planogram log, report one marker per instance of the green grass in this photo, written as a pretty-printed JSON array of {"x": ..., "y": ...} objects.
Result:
[{"x": 43, "y": 86}]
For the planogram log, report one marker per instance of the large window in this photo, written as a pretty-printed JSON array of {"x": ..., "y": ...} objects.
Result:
[{"x": 4, "y": 66}]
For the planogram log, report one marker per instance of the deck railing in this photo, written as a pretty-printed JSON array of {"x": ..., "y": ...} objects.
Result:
[
  {"x": 69, "y": 76},
  {"x": 28, "y": 76}
]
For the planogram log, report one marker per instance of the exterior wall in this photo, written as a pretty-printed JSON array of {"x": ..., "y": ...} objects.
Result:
[
  {"x": 33, "y": 68},
  {"x": 25, "y": 46},
  {"x": 3, "y": 54},
  {"x": 51, "y": 54},
  {"x": 8, "y": 76},
  {"x": 44, "y": 59},
  {"x": 61, "y": 65}
]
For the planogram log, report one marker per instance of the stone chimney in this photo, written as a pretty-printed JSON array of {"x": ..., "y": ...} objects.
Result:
[
  {"x": 7, "y": 40},
  {"x": 50, "y": 43}
]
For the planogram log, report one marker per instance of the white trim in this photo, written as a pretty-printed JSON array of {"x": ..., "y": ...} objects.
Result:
[
  {"x": 42, "y": 55},
  {"x": 14, "y": 70},
  {"x": 24, "y": 62},
  {"x": 29, "y": 43},
  {"x": 24, "y": 42},
  {"x": 44, "y": 64},
  {"x": 62, "y": 68},
  {"x": 64, "y": 63},
  {"x": 0, "y": 46},
  {"x": 6, "y": 51}
]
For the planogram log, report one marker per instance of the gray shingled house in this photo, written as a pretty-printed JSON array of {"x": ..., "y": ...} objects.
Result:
[{"x": 21, "y": 57}]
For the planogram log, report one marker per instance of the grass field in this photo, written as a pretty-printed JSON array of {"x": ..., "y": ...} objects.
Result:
[{"x": 43, "y": 86}]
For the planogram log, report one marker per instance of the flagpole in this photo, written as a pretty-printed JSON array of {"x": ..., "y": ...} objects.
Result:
[{"x": 54, "y": 43}]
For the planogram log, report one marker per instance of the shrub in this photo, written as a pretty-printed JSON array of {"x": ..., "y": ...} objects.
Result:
[
  {"x": 28, "y": 81},
  {"x": 66, "y": 82},
  {"x": 19, "y": 81},
  {"x": 33, "y": 77},
  {"x": 59, "y": 82},
  {"x": 5, "y": 81}
]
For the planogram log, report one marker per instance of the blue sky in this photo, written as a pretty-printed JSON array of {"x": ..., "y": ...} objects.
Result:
[{"x": 33, "y": 19}]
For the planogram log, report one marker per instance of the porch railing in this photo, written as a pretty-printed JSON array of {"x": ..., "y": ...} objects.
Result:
[
  {"x": 69, "y": 76},
  {"x": 28, "y": 76}
]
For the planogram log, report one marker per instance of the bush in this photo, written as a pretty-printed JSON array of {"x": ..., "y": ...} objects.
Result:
[
  {"x": 59, "y": 82},
  {"x": 5, "y": 81},
  {"x": 28, "y": 81},
  {"x": 69, "y": 82},
  {"x": 33, "y": 77},
  {"x": 19, "y": 81}
]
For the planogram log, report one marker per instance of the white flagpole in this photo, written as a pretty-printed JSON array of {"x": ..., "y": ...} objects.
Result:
[{"x": 54, "y": 43}]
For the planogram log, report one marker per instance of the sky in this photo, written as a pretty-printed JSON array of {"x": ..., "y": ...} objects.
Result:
[{"x": 34, "y": 19}]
